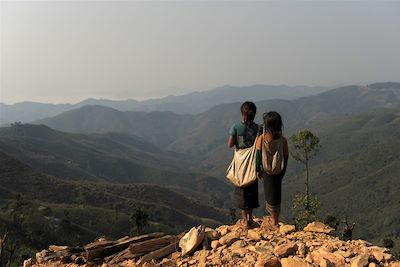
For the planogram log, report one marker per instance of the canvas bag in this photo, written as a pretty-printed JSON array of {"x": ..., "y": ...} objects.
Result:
[
  {"x": 272, "y": 156},
  {"x": 242, "y": 170}
]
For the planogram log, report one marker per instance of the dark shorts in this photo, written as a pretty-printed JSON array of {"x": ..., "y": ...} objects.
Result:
[
  {"x": 273, "y": 191},
  {"x": 246, "y": 197}
]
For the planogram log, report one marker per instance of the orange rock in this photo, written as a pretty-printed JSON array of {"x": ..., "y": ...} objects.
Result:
[
  {"x": 318, "y": 227},
  {"x": 285, "y": 249},
  {"x": 267, "y": 261},
  {"x": 293, "y": 262}
]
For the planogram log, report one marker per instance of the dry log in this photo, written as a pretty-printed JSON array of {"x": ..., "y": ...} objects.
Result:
[
  {"x": 103, "y": 249},
  {"x": 160, "y": 253},
  {"x": 152, "y": 244}
]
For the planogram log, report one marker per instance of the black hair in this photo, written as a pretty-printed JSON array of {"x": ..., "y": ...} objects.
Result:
[
  {"x": 248, "y": 110},
  {"x": 273, "y": 123}
]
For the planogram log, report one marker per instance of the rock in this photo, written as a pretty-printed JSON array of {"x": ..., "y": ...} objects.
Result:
[
  {"x": 238, "y": 244},
  {"x": 267, "y": 261},
  {"x": 302, "y": 249},
  {"x": 241, "y": 251},
  {"x": 191, "y": 240},
  {"x": 175, "y": 255},
  {"x": 223, "y": 230},
  {"x": 27, "y": 263},
  {"x": 215, "y": 244},
  {"x": 55, "y": 248},
  {"x": 253, "y": 235},
  {"x": 229, "y": 238},
  {"x": 262, "y": 248},
  {"x": 372, "y": 264},
  {"x": 322, "y": 257},
  {"x": 40, "y": 256},
  {"x": 318, "y": 227},
  {"x": 287, "y": 229},
  {"x": 293, "y": 262},
  {"x": 360, "y": 261},
  {"x": 285, "y": 249},
  {"x": 381, "y": 256},
  {"x": 394, "y": 264},
  {"x": 212, "y": 234}
]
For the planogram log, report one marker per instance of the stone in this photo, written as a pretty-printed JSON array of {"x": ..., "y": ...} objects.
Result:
[
  {"x": 229, "y": 238},
  {"x": 346, "y": 254},
  {"x": 27, "y": 263},
  {"x": 394, "y": 264},
  {"x": 286, "y": 249},
  {"x": 293, "y": 262},
  {"x": 360, "y": 261},
  {"x": 253, "y": 235},
  {"x": 55, "y": 248},
  {"x": 373, "y": 264},
  {"x": 318, "y": 227},
  {"x": 287, "y": 229},
  {"x": 381, "y": 256},
  {"x": 323, "y": 257},
  {"x": 215, "y": 244},
  {"x": 302, "y": 249},
  {"x": 262, "y": 248},
  {"x": 175, "y": 255},
  {"x": 238, "y": 244},
  {"x": 216, "y": 260},
  {"x": 240, "y": 251},
  {"x": 223, "y": 230},
  {"x": 212, "y": 234},
  {"x": 267, "y": 261}
]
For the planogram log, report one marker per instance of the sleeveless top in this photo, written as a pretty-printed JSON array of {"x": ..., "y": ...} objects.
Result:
[{"x": 243, "y": 134}]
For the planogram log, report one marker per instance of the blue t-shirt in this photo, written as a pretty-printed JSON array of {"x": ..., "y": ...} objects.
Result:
[{"x": 244, "y": 135}]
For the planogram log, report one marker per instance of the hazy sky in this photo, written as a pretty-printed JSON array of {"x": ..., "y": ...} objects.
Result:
[{"x": 66, "y": 51}]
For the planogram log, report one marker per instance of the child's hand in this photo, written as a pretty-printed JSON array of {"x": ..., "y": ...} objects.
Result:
[{"x": 259, "y": 176}]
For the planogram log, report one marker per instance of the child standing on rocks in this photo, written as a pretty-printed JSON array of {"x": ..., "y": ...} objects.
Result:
[
  {"x": 243, "y": 135},
  {"x": 271, "y": 162}
]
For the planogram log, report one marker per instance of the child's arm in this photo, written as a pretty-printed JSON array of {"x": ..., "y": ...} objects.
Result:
[
  {"x": 232, "y": 136},
  {"x": 259, "y": 157},
  {"x": 285, "y": 156}
]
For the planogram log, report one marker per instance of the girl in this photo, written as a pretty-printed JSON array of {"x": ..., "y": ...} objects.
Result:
[
  {"x": 274, "y": 144},
  {"x": 243, "y": 135}
]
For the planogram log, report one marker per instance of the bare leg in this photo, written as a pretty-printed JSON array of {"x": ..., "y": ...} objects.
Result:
[
  {"x": 250, "y": 214},
  {"x": 275, "y": 218},
  {"x": 244, "y": 215}
]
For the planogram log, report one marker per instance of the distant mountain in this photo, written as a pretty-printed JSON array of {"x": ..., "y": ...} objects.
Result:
[
  {"x": 205, "y": 132},
  {"x": 173, "y": 210},
  {"x": 111, "y": 157},
  {"x": 198, "y": 102},
  {"x": 357, "y": 172},
  {"x": 192, "y": 103}
]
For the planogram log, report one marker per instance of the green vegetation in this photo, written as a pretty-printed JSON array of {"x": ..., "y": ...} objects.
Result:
[
  {"x": 305, "y": 147},
  {"x": 139, "y": 219}
]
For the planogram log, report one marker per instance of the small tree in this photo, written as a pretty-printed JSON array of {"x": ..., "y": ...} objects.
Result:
[
  {"x": 306, "y": 146},
  {"x": 304, "y": 209},
  {"x": 139, "y": 219}
]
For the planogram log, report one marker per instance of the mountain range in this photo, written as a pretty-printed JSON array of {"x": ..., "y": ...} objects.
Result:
[
  {"x": 174, "y": 164},
  {"x": 191, "y": 103}
]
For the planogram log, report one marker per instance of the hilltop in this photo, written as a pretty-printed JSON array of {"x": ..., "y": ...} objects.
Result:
[{"x": 225, "y": 246}]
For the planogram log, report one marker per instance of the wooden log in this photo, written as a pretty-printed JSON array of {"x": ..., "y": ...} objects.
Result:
[
  {"x": 104, "y": 249},
  {"x": 160, "y": 253},
  {"x": 152, "y": 244}
]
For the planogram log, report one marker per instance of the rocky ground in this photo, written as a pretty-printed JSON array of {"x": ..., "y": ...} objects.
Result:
[{"x": 261, "y": 246}]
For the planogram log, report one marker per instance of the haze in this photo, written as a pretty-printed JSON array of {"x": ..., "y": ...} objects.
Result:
[{"x": 67, "y": 51}]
